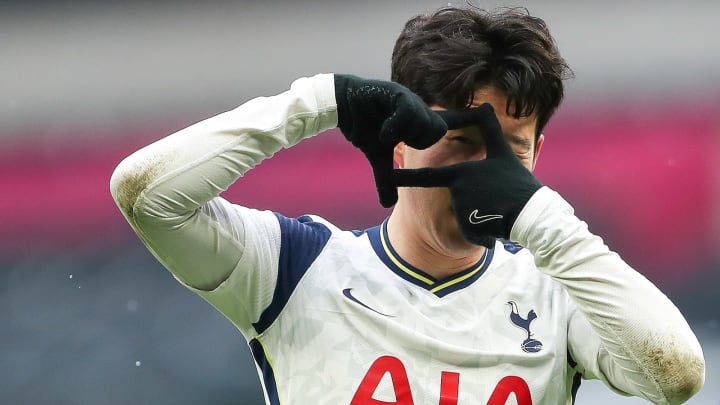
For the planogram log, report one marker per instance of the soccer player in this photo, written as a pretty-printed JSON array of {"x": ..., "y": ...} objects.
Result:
[{"x": 481, "y": 287}]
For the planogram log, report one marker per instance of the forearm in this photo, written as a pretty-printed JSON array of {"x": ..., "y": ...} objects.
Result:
[
  {"x": 206, "y": 158},
  {"x": 163, "y": 189},
  {"x": 645, "y": 335}
]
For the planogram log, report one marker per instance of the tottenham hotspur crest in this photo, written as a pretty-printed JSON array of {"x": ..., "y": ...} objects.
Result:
[{"x": 529, "y": 345}]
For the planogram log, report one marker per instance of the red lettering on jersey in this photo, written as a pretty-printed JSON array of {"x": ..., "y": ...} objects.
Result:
[
  {"x": 449, "y": 383},
  {"x": 449, "y": 386},
  {"x": 369, "y": 383},
  {"x": 509, "y": 385}
]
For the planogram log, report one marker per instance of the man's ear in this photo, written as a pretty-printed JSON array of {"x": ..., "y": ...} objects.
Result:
[
  {"x": 399, "y": 155},
  {"x": 538, "y": 147}
]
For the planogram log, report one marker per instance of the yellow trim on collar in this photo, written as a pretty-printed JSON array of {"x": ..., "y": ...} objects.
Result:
[
  {"x": 465, "y": 277},
  {"x": 397, "y": 262}
]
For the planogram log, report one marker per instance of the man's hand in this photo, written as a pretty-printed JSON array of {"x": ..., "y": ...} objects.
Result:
[
  {"x": 375, "y": 115},
  {"x": 487, "y": 195}
]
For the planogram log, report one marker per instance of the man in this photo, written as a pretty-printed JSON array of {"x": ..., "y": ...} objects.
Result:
[{"x": 481, "y": 287}]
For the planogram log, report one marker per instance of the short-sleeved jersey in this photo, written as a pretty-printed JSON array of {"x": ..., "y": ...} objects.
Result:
[{"x": 351, "y": 321}]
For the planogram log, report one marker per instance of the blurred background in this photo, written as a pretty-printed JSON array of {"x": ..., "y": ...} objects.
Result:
[{"x": 89, "y": 317}]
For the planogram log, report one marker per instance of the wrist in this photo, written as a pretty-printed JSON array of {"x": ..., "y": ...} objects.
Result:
[
  {"x": 323, "y": 88},
  {"x": 541, "y": 214}
]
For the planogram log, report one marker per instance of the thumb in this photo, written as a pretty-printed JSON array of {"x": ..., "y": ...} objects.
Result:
[{"x": 427, "y": 176}]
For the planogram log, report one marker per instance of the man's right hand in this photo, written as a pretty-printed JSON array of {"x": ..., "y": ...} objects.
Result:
[{"x": 375, "y": 115}]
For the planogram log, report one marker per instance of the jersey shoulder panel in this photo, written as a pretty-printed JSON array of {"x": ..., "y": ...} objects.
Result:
[{"x": 302, "y": 239}]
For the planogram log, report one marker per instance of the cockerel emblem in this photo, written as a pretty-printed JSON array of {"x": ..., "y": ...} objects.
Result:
[{"x": 529, "y": 345}]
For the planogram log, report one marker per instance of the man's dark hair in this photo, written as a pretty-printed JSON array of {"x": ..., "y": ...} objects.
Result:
[{"x": 445, "y": 56}]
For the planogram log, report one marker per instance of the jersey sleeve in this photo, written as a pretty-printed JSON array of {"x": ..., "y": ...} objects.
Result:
[
  {"x": 168, "y": 192},
  {"x": 626, "y": 332}
]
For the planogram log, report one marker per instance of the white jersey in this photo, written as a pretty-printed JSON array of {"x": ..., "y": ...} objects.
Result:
[
  {"x": 338, "y": 317},
  {"x": 350, "y": 320}
]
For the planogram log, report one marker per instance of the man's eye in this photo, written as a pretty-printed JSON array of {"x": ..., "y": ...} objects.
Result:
[
  {"x": 523, "y": 155},
  {"x": 462, "y": 139}
]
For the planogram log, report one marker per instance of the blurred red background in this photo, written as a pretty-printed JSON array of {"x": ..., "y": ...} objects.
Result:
[{"x": 646, "y": 179}]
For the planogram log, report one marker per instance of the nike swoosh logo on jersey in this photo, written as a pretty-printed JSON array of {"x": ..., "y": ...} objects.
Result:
[
  {"x": 346, "y": 292},
  {"x": 476, "y": 219}
]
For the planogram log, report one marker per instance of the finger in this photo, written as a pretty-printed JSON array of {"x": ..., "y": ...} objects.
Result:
[
  {"x": 382, "y": 167},
  {"x": 468, "y": 117},
  {"x": 413, "y": 122},
  {"x": 427, "y": 176},
  {"x": 484, "y": 118},
  {"x": 456, "y": 119},
  {"x": 490, "y": 127}
]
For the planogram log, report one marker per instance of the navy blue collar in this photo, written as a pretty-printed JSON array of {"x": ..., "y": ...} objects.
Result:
[{"x": 383, "y": 248}]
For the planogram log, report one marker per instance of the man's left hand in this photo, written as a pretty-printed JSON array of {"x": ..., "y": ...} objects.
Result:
[{"x": 487, "y": 195}]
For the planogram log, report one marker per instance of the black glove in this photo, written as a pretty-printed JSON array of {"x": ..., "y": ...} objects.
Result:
[
  {"x": 375, "y": 115},
  {"x": 487, "y": 195}
]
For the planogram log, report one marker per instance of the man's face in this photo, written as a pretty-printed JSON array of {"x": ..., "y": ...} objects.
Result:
[{"x": 432, "y": 205}]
